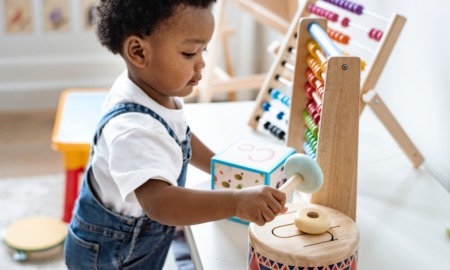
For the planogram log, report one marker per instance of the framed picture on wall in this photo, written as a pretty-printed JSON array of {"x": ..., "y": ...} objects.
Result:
[
  {"x": 56, "y": 15},
  {"x": 18, "y": 16},
  {"x": 89, "y": 11}
]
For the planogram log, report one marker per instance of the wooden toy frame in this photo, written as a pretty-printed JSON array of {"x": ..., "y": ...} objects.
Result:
[
  {"x": 273, "y": 14},
  {"x": 368, "y": 95},
  {"x": 337, "y": 152}
]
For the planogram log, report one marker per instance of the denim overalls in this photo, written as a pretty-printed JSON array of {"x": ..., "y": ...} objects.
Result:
[{"x": 101, "y": 239}]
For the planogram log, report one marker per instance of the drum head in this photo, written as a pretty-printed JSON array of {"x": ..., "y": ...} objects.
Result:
[
  {"x": 281, "y": 241},
  {"x": 35, "y": 234}
]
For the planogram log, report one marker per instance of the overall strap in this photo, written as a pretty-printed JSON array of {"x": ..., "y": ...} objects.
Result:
[{"x": 131, "y": 107}]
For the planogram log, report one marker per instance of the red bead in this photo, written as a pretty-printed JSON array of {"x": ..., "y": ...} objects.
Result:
[{"x": 345, "y": 22}]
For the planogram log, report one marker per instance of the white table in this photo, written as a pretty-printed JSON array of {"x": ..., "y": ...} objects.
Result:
[{"x": 401, "y": 213}]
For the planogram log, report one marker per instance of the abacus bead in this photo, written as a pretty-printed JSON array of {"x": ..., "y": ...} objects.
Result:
[
  {"x": 321, "y": 91},
  {"x": 355, "y": 8},
  {"x": 265, "y": 106},
  {"x": 313, "y": 65},
  {"x": 312, "y": 48},
  {"x": 359, "y": 9},
  {"x": 345, "y": 22},
  {"x": 339, "y": 37},
  {"x": 274, "y": 93},
  {"x": 308, "y": 150},
  {"x": 310, "y": 123},
  {"x": 447, "y": 229},
  {"x": 309, "y": 89},
  {"x": 286, "y": 100},
  {"x": 280, "y": 115},
  {"x": 275, "y": 130},
  {"x": 363, "y": 65},
  {"x": 271, "y": 92},
  {"x": 331, "y": 16},
  {"x": 375, "y": 34},
  {"x": 316, "y": 118}
]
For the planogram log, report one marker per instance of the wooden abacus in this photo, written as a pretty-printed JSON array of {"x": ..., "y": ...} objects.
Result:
[
  {"x": 372, "y": 71},
  {"x": 280, "y": 244},
  {"x": 337, "y": 130},
  {"x": 273, "y": 14}
]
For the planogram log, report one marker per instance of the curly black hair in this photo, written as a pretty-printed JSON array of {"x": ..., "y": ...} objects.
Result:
[{"x": 119, "y": 19}]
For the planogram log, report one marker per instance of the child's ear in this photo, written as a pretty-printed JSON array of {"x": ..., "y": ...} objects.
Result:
[{"x": 134, "y": 51}]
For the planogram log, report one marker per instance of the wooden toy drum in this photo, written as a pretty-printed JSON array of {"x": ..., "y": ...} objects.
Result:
[{"x": 280, "y": 245}]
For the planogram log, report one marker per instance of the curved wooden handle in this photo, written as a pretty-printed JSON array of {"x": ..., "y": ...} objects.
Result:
[{"x": 291, "y": 183}]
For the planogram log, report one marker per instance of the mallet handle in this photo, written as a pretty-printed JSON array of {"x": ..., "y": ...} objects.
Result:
[{"x": 291, "y": 183}]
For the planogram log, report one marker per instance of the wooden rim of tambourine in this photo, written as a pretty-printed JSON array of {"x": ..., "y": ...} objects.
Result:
[
  {"x": 35, "y": 234},
  {"x": 281, "y": 241}
]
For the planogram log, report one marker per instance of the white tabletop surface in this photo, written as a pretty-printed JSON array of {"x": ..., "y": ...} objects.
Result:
[
  {"x": 402, "y": 212},
  {"x": 82, "y": 111}
]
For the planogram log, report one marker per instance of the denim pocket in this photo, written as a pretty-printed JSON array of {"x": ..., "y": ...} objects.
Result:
[{"x": 80, "y": 254}]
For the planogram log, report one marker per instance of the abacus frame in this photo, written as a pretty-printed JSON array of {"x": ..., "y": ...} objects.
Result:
[
  {"x": 368, "y": 96},
  {"x": 337, "y": 152},
  {"x": 274, "y": 14}
]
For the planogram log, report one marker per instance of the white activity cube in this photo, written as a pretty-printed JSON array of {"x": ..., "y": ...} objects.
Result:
[{"x": 248, "y": 163}]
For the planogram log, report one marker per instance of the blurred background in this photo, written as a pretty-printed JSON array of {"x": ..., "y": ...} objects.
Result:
[{"x": 48, "y": 46}]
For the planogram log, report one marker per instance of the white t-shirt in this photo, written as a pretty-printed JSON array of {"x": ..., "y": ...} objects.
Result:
[{"x": 135, "y": 147}]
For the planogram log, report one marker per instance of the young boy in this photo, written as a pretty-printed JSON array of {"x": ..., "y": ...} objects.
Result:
[{"x": 133, "y": 194}]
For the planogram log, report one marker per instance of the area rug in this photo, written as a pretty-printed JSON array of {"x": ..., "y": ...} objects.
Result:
[{"x": 27, "y": 197}]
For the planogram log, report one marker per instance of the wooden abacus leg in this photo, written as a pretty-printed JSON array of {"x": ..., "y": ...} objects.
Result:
[
  {"x": 232, "y": 96},
  {"x": 394, "y": 128},
  {"x": 205, "y": 91}
]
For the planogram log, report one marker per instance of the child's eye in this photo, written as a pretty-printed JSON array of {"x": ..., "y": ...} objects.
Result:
[{"x": 188, "y": 55}]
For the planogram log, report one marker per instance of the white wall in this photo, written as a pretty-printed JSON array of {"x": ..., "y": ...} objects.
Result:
[
  {"x": 36, "y": 66},
  {"x": 416, "y": 81}
]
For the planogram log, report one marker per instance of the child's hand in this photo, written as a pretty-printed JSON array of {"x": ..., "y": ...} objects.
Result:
[{"x": 259, "y": 204}]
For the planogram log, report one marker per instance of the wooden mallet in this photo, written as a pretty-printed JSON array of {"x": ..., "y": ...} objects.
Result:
[{"x": 305, "y": 175}]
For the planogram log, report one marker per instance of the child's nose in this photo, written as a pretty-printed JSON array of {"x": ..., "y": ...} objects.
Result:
[{"x": 200, "y": 64}]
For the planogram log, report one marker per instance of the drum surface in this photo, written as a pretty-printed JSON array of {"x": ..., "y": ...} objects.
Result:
[
  {"x": 35, "y": 234},
  {"x": 280, "y": 245}
]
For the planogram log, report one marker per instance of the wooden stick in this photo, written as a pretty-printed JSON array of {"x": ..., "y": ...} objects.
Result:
[
  {"x": 291, "y": 183},
  {"x": 288, "y": 42},
  {"x": 391, "y": 124},
  {"x": 264, "y": 15}
]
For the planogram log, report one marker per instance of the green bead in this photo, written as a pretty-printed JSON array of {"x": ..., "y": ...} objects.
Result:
[{"x": 447, "y": 229}]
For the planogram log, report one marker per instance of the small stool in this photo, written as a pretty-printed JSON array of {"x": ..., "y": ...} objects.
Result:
[{"x": 35, "y": 237}]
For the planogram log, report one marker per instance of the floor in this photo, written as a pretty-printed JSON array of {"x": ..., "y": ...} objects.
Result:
[{"x": 25, "y": 145}]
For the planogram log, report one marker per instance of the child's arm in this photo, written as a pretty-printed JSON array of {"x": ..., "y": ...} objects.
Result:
[
  {"x": 174, "y": 205},
  {"x": 201, "y": 154}
]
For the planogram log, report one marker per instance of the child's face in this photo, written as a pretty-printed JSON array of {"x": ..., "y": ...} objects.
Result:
[{"x": 175, "y": 55}]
